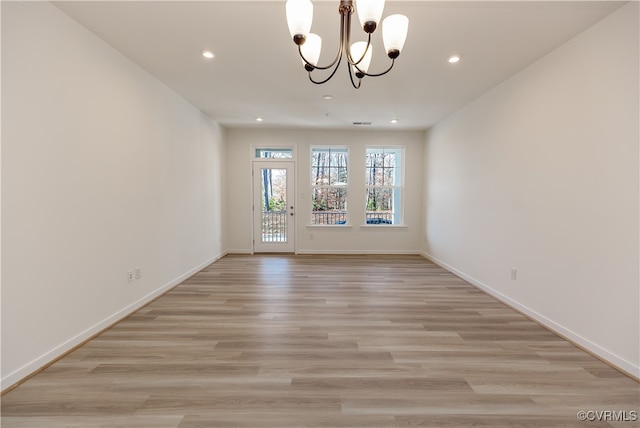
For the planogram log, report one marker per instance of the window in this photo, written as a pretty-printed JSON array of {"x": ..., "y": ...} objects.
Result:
[
  {"x": 274, "y": 153},
  {"x": 384, "y": 185},
  {"x": 329, "y": 178}
]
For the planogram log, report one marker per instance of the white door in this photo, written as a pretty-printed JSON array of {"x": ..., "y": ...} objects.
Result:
[{"x": 273, "y": 207}]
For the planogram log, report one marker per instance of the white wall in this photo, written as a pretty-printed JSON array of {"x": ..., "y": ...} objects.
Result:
[
  {"x": 541, "y": 174},
  {"x": 354, "y": 239},
  {"x": 103, "y": 169}
]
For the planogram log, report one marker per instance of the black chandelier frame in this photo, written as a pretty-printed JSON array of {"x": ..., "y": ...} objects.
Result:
[{"x": 346, "y": 10}]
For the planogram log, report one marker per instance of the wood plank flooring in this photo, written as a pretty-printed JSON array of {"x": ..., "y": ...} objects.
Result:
[{"x": 323, "y": 341}]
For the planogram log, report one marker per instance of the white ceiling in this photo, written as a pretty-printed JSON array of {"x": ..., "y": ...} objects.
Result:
[{"x": 257, "y": 71}]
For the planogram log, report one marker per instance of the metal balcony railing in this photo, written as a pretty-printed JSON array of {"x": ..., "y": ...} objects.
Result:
[
  {"x": 340, "y": 217},
  {"x": 274, "y": 226},
  {"x": 328, "y": 217},
  {"x": 379, "y": 217}
]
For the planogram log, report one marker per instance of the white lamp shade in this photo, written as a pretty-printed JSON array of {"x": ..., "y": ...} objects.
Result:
[
  {"x": 394, "y": 32},
  {"x": 299, "y": 16},
  {"x": 311, "y": 48},
  {"x": 369, "y": 10},
  {"x": 357, "y": 49}
]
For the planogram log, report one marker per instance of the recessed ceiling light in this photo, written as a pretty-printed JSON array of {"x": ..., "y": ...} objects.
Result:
[
  {"x": 453, "y": 59},
  {"x": 328, "y": 97},
  {"x": 259, "y": 119},
  {"x": 207, "y": 54},
  {"x": 394, "y": 121}
]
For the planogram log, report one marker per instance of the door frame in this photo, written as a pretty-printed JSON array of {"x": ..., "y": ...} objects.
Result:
[{"x": 256, "y": 196}]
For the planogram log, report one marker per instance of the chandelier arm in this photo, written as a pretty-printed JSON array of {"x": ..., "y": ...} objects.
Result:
[
  {"x": 353, "y": 83},
  {"x": 317, "y": 67},
  {"x": 349, "y": 60},
  {"x": 364, "y": 53},
  {"x": 393, "y": 61},
  {"x": 346, "y": 41},
  {"x": 338, "y": 58},
  {"x": 347, "y": 44},
  {"x": 330, "y": 76}
]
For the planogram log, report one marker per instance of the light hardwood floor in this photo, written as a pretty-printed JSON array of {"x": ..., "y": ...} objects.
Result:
[{"x": 323, "y": 341}]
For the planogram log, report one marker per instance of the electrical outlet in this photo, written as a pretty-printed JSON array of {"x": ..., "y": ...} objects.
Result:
[
  {"x": 514, "y": 274},
  {"x": 130, "y": 276},
  {"x": 138, "y": 272}
]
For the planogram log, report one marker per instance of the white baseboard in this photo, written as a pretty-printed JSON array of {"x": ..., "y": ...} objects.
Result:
[
  {"x": 352, "y": 252},
  {"x": 55, "y": 353},
  {"x": 582, "y": 342},
  {"x": 359, "y": 252},
  {"x": 239, "y": 252}
]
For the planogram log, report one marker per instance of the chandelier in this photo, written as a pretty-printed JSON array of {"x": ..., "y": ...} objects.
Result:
[{"x": 358, "y": 54}]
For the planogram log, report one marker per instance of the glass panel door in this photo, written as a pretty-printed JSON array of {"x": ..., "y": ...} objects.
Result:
[{"x": 273, "y": 209}]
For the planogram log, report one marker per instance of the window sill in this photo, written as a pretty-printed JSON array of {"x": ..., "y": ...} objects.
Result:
[
  {"x": 329, "y": 226},
  {"x": 383, "y": 226}
]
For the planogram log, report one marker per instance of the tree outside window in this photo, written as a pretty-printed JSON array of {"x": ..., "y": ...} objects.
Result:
[
  {"x": 384, "y": 185},
  {"x": 329, "y": 183}
]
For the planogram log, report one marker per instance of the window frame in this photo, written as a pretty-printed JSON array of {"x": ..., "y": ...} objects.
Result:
[
  {"x": 399, "y": 216},
  {"x": 279, "y": 147},
  {"x": 346, "y": 186}
]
